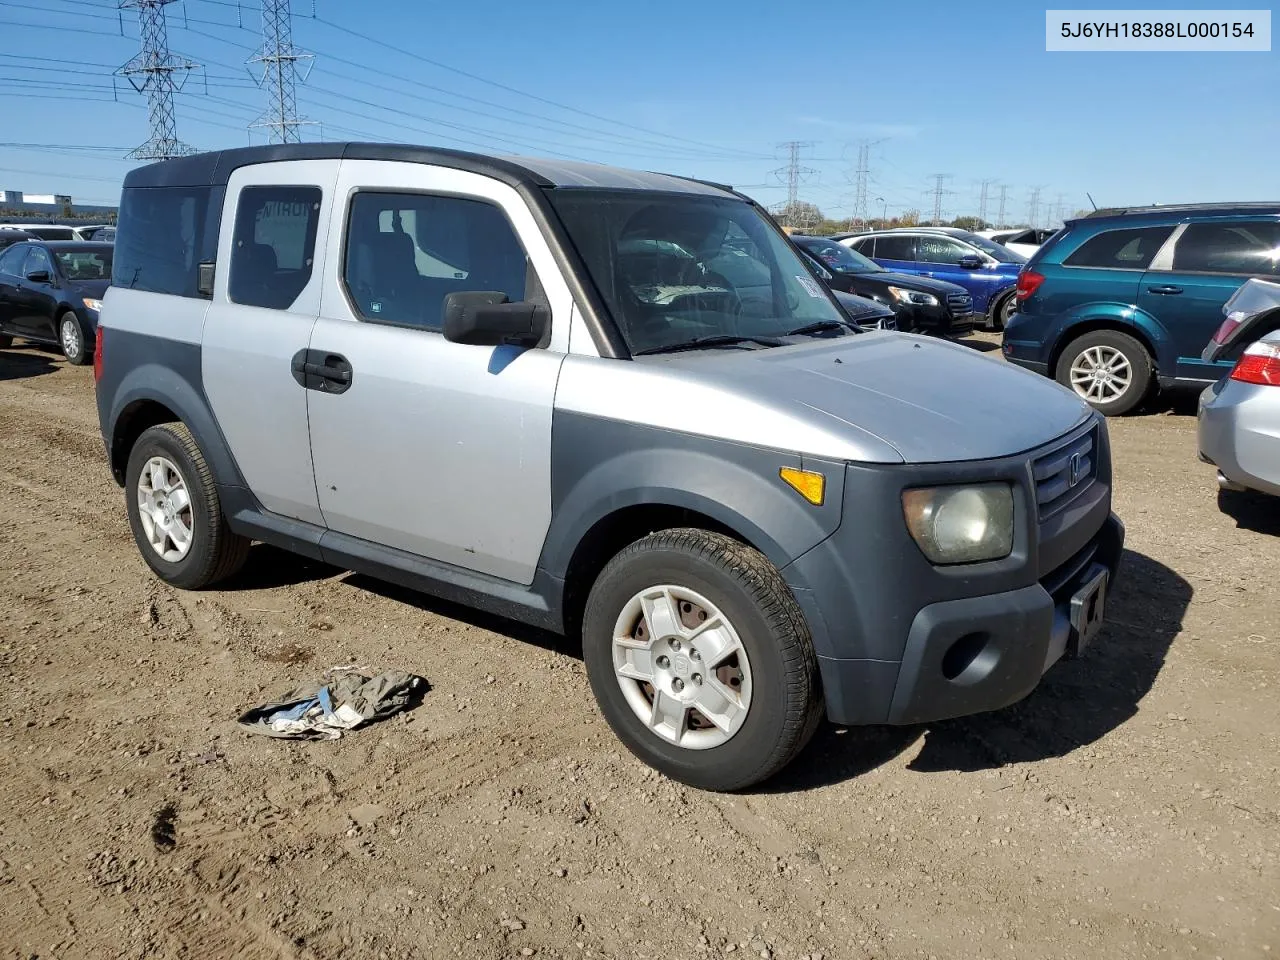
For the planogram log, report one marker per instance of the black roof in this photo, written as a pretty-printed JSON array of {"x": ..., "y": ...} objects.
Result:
[
  {"x": 215, "y": 168},
  {"x": 1220, "y": 209},
  {"x": 56, "y": 245}
]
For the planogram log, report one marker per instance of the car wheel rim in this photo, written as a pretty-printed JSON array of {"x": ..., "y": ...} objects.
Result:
[
  {"x": 70, "y": 338},
  {"x": 1006, "y": 310},
  {"x": 1101, "y": 374},
  {"x": 682, "y": 667},
  {"x": 164, "y": 507}
]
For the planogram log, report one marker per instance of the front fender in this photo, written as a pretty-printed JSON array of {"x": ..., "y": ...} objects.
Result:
[{"x": 601, "y": 467}]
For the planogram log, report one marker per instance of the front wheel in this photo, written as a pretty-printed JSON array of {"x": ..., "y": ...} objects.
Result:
[
  {"x": 1001, "y": 311},
  {"x": 1109, "y": 370},
  {"x": 701, "y": 660},
  {"x": 71, "y": 339}
]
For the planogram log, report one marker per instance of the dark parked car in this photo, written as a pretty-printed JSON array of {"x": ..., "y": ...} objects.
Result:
[
  {"x": 866, "y": 313},
  {"x": 8, "y": 237},
  {"x": 986, "y": 269},
  {"x": 920, "y": 303},
  {"x": 51, "y": 292},
  {"x": 1123, "y": 300}
]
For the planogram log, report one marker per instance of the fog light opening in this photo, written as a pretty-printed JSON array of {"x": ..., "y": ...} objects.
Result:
[{"x": 969, "y": 658}]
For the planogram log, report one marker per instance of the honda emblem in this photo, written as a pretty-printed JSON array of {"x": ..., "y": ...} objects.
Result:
[{"x": 1075, "y": 469}]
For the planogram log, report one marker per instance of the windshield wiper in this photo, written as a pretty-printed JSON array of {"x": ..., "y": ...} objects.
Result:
[
  {"x": 818, "y": 326},
  {"x": 720, "y": 340}
]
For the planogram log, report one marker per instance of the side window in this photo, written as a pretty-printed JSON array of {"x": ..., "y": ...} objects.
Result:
[
  {"x": 939, "y": 249},
  {"x": 866, "y": 246},
  {"x": 406, "y": 252},
  {"x": 163, "y": 234},
  {"x": 1249, "y": 248},
  {"x": 895, "y": 248},
  {"x": 1120, "y": 249},
  {"x": 11, "y": 261},
  {"x": 273, "y": 246},
  {"x": 37, "y": 259}
]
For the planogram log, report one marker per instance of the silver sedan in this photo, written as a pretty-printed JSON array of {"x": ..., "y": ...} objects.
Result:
[{"x": 1239, "y": 420}]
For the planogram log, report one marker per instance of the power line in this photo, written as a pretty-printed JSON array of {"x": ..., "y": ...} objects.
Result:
[{"x": 157, "y": 73}]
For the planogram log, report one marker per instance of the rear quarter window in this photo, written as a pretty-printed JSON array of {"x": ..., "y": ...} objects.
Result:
[
  {"x": 163, "y": 235},
  {"x": 1127, "y": 249}
]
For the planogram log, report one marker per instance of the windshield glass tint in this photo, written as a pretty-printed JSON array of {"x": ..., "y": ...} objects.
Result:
[
  {"x": 993, "y": 249},
  {"x": 836, "y": 256},
  {"x": 84, "y": 264},
  {"x": 673, "y": 267}
]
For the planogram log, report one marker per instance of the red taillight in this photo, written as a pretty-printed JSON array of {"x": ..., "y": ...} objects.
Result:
[
  {"x": 1228, "y": 325},
  {"x": 1260, "y": 364},
  {"x": 1028, "y": 283},
  {"x": 99, "y": 336}
]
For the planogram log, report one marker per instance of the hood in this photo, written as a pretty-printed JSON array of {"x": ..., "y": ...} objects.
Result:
[
  {"x": 96, "y": 289},
  {"x": 931, "y": 401},
  {"x": 860, "y": 307},
  {"x": 940, "y": 288}
]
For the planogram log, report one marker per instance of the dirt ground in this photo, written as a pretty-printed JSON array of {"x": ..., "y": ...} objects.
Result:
[{"x": 1128, "y": 808}]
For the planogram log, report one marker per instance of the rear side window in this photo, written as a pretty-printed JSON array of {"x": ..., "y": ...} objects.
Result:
[
  {"x": 1246, "y": 248},
  {"x": 865, "y": 246},
  {"x": 895, "y": 248},
  {"x": 163, "y": 235},
  {"x": 1120, "y": 249},
  {"x": 274, "y": 244},
  {"x": 406, "y": 252}
]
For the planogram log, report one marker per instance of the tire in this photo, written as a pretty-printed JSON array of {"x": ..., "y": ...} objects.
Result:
[
  {"x": 72, "y": 341},
  {"x": 5, "y": 341},
  {"x": 213, "y": 552},
  {"x": 1001, "y": 310},
  {"x": 776, "y": 685},
  {"x": 1120, "y": 354}
]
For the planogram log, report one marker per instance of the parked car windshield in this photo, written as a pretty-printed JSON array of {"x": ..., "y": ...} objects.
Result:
[
  {"x": 86, "y": 264},
  {"x": 993, "y": 249},
  {"x": 673, "y": 268},
  {"x": 839, "y": 258}
]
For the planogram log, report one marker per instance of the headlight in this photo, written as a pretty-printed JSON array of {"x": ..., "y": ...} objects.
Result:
[
  {"x": 92, "y": 304},
  {"x": 961, "y": 524},
  {"x": 914, "y": 296}
]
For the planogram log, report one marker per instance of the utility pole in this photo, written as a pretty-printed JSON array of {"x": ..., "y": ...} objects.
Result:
[
  {"x": 159, "y": 74},
  {"x": 938, "y": 180},
  {"x": 1004, "y": 196},
  {"x": 983, "y": 199},
  {"x": 279, "y": 58},
  {"x": 792, "y": 174},
  {"x": 1033, "y": 208}
]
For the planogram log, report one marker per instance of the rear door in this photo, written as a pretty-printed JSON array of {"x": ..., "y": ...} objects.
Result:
[
  {"x": 265, "y": 299},
  {"x": 1187, "y": 285},
  {"x": 11, "y": 261},
  {"x": 897, "y": 252},
  {"x": 37, "y": 300}
]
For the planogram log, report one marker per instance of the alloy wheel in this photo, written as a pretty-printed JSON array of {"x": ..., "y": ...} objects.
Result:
[
  {"x": 164, "y": 507},
  {"x": 1101, "y": 374}
]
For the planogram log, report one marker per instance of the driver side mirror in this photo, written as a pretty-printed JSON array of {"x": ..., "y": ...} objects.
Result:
[
  {"x": 39, "y": 276},
  {"x": 970, "y": 261},
  {"x": 487, "y": 318}
]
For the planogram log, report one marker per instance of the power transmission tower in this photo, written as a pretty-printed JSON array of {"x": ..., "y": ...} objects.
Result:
[
  {"x": 983, "y": 199},
  {"x": 1004, "y": 196},
  {"x": 279, "y": 58},
  {"x": 793, "y": 174},
  {"x": 157, "y": 73},
  {"x": 1033, "y": 208},
  {"x": 1059, "y": 210},
  {"x": 861, "y": 177},
  {"x": 938, "y": 180}
]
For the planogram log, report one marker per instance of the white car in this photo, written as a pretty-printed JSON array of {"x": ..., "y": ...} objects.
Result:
[{"x": 1025, "y": 241}]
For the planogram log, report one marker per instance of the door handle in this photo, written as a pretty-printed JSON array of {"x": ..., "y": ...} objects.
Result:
[
  {"x": 321, "y": 370},
  {"x": 1165, "y": 290}
]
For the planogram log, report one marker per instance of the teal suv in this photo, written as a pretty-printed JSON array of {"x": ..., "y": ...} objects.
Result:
[{"x": 1122, "y": 302}]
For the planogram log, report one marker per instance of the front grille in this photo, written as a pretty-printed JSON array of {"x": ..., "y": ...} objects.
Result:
[
  {"x": 1065, "y": 472},
  {"x": 959, "y": 304},
  {"x": 1062, "y": 582}
]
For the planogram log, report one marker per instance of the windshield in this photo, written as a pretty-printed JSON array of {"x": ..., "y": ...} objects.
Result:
[
  {"x": 839, "y": 258},
  {"x": 84, "y": 264},
  {"x": 993, "y": 249},
  {"x": 676, "y": 267}
]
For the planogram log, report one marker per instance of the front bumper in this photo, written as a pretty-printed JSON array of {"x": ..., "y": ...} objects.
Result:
[
  {"x": 900, "y": 641},
  {"x": 1238, "y": 431}
]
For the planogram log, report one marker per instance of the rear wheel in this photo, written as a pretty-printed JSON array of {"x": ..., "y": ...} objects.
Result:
[
  {"x": 175, "y": 513},
  {"x": 72, "y": 340},
  {"x": 1001, "y": 311},
  {"x": 701, "y": 660},
  {"x": 1109, "y": 370}
]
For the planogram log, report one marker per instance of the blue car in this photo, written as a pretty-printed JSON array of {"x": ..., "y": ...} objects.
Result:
[
  {"x": 1121, "y": 302},
  {"x": 983, "y": 267}
]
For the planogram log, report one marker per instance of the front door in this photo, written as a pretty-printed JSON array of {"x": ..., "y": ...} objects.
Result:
[
  {"x": 265, "y": 299},
  {"x": 1210, "y": 261},
  {"x": 438, "y": 449},
  {"x": 940, "y": 257},
  {"x": 11, "y": 261}
]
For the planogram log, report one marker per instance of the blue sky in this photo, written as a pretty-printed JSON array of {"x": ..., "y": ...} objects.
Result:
[{"x": 708, "y": 89}]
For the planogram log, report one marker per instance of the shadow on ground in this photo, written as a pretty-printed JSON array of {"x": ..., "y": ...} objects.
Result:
[
  {"x": 1175, "y": 401},
  {"x": 21, "y": 364},
  {"x": 1077, "y": 703},
  {"x": 982, "y": 346},
  {"x": 1251, "y": 511},
  {"x": 269, "y": 567}
]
